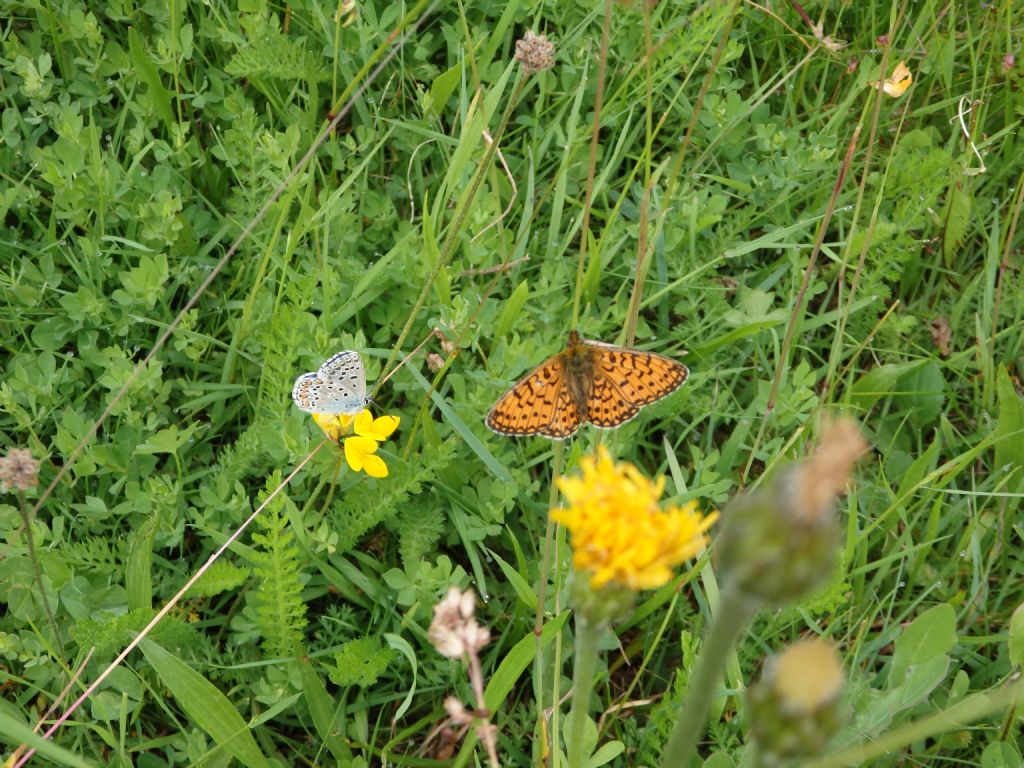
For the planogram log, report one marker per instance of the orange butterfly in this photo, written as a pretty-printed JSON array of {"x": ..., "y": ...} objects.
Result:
[{"x": 587, "y": 381}]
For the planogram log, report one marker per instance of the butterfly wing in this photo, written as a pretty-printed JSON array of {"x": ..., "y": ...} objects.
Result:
[
  {"x": 308, "y": 393},
  {"x": 606, "y": 405},
  {"x": 538, "y": 404},
  {"x": 339, "y": 386},
  {"x": 639, "y": 377}
]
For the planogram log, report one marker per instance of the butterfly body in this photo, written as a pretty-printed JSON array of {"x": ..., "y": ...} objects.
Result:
[
  {"x": 587, "y": 382},
  {"x": 338, "y": 386}
]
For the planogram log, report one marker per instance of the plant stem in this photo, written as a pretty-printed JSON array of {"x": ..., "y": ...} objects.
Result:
[
  {"x": 587, "y": 635},
  {"x": 725, "y": 631},
  {"x": 449, "y": 244},
  {"x": 37, "y": 572}
]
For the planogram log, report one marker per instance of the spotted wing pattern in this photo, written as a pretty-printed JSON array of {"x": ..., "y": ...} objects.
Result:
[
  {"x": 539, "y": 404},
  {"x": 338, "y": 386},
  {"x": 614, "y": 383},
  {"x": 606, "y": 406},
  {"x": 639, "y": 377}
]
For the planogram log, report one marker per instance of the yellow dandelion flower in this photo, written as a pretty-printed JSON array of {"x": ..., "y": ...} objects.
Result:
[
  {"x": 360, "y": 448},
  {"x": 896, "y": 84},
  {"x": 619, "y": 534}
]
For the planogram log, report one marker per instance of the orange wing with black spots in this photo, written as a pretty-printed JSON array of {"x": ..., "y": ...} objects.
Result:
[
  {"x": 640, "y": 377},
  {"x": 539, "y": 404},
  {"x": 611, "y": 384},
  {"x": 606, "y": 406}
]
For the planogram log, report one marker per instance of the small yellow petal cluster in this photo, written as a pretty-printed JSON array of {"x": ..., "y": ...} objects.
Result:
[
  {"x": 619, "y": 534},
  {"x": 360, "y": 448},
  {"x": 896, "y": 84}
]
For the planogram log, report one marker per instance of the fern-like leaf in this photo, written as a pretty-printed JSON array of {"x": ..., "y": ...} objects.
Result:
[{"x": 280, "y": 611}]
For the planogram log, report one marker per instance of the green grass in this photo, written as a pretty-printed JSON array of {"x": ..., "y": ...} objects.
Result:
[{"x": 139, "y": 143}]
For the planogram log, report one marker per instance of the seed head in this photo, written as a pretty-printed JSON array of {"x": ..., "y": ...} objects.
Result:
[
  {"x": 19, "y": 470},
  {"x": 535, "y": 53}
]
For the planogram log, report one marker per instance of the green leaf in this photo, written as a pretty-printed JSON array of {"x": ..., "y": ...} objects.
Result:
[
  {"x": 167, "y": 440},
  {"x": 360, "y": 662},
  {"x": 921, "y": 679},
  {"x": 324, "y": 711},
  {"x": 52, "y": 333},
  {"x": 442, "y": 88},
  {"x": 958, "y": 218},
  {"x": 1009, "y": 432},
  {"x": 524, "y": 591},
  {"x": 205, "y": 705},
  {"x": 1000, "y": 754},
  {"x": 144, "y": 284},
  {"x": 138, "y": 577},
  {"x": 879, "y": 382},
  {"x": 925, "y": 390},
  {"x": 606, "y": 753},
  {"x": 15, "y": 732},
  {"x": 511, "y": 311},
  {"x": 160, "y": 98},
  {"x": 401, "y": 645},
  {"x": 931, "y": 634},
  {"x": 1015, "y": 641},
  {"x": 923, "y": 464}
]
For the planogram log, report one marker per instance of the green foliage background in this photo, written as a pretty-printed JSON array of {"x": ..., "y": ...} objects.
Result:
[{"x": 138, "y": 141}]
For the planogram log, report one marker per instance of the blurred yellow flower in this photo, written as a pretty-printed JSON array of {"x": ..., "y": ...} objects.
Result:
[
  {"x": 360, "y": 448},
  {"x": 334, "y": 425},
  {"x": 897, "y": 83},
  {"x": 619, "y": 534}
]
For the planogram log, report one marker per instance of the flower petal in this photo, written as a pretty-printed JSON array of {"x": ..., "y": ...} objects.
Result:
[
  {"x": 379, "y": 429},
  {"x": 384, "y": 426},
  {"x": 374, "y": 466},
  {"x": 364, "y": 421},
  {"x": 358, "y": 450},
  {"x": 897, "y": 83},
  {"x": 334, "y": 425},
  {"x": 619, "y": 533}
]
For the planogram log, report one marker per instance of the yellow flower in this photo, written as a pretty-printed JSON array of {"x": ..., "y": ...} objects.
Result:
[
  {"x": 360, "y": 448},
  {"x": 897, "y": 83},
  {"x": 334, "y": 425},
  {"x": 619, "y": 533}
]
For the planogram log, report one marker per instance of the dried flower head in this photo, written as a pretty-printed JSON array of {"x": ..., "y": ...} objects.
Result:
[
  {"x": 780, "y": 541},
  {"x": 828, "y": 41},
  {"x": 535, "y": 53},
  {"x": 19, "y": 470},
  {"x": 824, "y": 475},
  {"x": 447, "y": 346},
  {"x": 454, "y": 632},
  {"x": 346, "y": 13},
  {"x": 434, "y": 362},
  {"x": 942, "y": 335}
]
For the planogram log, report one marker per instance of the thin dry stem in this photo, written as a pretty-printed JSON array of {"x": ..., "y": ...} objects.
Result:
[
  {"x": 400, "y": 38},
  {"x": 1004, "y": 263},
  {"x": 809, "y": 270},
  {"x": 449, "y": 244},
  {"x": 633, "y": 311},
  {"x": 511, "y": 180},
  {"x": 595, "y": 137},
  {"x": 169, "y": 605}
]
